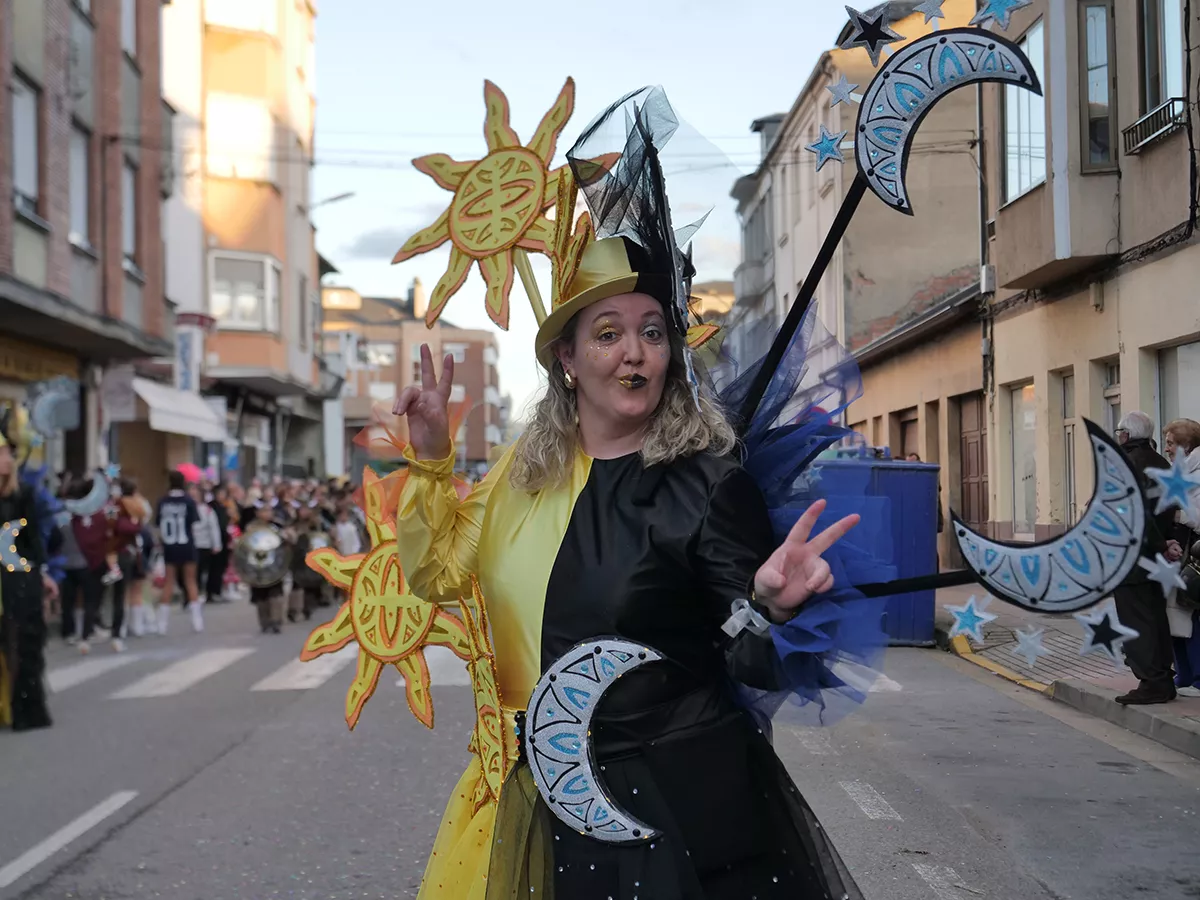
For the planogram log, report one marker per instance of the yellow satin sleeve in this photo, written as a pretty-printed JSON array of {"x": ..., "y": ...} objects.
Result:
[{"x": 438, "y": 534}]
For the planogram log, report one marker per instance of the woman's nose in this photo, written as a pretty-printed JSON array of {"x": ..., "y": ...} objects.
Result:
[{"x": 635, "y": 353}]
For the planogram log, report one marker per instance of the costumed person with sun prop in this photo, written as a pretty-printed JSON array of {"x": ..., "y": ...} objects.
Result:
[{"x": 647, "y": 541}]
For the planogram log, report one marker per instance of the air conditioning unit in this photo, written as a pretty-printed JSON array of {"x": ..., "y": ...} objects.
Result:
[{"x": 987, "y": 279}]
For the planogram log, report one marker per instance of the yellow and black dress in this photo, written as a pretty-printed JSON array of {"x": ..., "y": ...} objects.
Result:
[{"x": 656, "y": 556}]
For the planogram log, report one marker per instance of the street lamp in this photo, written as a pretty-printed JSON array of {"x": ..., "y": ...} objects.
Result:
[{"x": 334, "y": 199}]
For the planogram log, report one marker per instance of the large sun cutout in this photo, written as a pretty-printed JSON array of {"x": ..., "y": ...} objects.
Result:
[{"x": 497, "y": 212}]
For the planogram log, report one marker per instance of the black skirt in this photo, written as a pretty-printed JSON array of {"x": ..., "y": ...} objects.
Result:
[
  {"x": 734, "y": 826},
  {"x": 23, "y": 643}
]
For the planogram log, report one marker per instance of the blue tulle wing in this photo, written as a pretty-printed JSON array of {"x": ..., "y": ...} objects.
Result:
[
  {"x": 831, "y": 653},
  {"x": 48, "y": 508}
]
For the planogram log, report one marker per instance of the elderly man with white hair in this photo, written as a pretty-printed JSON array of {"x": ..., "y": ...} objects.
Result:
[{"x": 1140, "y": 602}]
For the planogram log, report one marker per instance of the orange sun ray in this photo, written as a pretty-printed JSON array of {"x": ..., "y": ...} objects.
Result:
[
  {"x": 498, "y": 274},
  {"x": 496, "y": 130},
  {"x": 545, "y": 138},
  {"x": 426, "y": 239},
  {"x": 539, "y": 235},
  {"x": 415, "y": 670},
  {"x": 366, "y": 679},
  {"x": 456, "y": 274},
  {"x": 447, "y": 172},
  {"x": 448, "y": 631},
  {"x": 333, "y": 635},
  {"x": 337, "y": 570}
]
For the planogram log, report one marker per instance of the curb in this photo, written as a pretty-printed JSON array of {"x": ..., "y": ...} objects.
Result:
[
  {"x": 961, "y": 647},
  {"x": 1161, "y": 725}
]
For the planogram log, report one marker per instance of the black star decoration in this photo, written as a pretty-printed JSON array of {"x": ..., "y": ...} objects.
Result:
[{"x": 872, "y": 30}]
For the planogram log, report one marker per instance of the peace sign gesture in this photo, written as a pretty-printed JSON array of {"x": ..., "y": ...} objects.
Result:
[
  {"x": 796, "y": 570},
  {"x": 427, "y": 408}
]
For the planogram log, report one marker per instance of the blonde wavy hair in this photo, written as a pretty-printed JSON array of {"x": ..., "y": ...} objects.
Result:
[{"x": 545, "y": 454}]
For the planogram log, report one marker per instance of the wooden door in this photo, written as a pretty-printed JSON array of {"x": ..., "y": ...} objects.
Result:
[{"x": 973, "y": 461}]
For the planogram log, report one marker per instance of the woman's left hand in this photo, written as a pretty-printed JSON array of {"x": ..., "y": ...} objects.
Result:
[
  {"x": 796, "y": 570},
  {"x": 49, "y": 587}
]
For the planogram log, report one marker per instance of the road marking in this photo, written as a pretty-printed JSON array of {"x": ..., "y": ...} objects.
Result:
[
  {"x": 444, "y": 668},
  {"x": 869, "y": 800},
  {"x": 864, "y": 679},
  {"x": 177, "y": 678},
  {"x": 298, "y": 675},
  {"x": 944, "y": 882},
  {"x": 37, "y": 855},
  {"x": 885, "y": 685},
  {"x": 65, "y": 677},
  {"x": 814, "y": 740}
]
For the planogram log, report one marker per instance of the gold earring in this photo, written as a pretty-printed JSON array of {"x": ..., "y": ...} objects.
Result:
[{"x": 569, "y": 381}]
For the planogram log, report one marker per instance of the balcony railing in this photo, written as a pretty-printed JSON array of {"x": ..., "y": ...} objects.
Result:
[
  {"x": 1155, "y": 125},
  {"x": 753, "y": 277}
]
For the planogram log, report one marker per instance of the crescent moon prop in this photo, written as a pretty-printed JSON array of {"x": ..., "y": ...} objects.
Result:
[
  {"x": 897, "y": 101},
  {"x": 54, "y": 407},
  {"x": 1080, "y": 568},
  {"x": 558, "y": 740},
  {"x": 94, "y": 501},
  {"x": 906, "y": 89},
  {"x": 10, "y": 557}
]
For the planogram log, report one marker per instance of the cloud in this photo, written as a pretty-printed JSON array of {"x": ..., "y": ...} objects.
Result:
[
  {"x": 378, "y": 243},
  {"x": 718, "y": 256}
]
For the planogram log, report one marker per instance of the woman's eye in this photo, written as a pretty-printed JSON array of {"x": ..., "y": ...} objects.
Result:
[
  {"x": 652, "y": 334},
  {"x": 606, "y": 336}
]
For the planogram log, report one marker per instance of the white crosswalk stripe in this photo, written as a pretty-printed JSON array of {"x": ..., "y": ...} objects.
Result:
[
  {"x": 304, "y": 676},
  {"x": 814, "y": 740},
  {"x": 869, "y": 800},
  {"x": 178, "y": 677},
  {"x": 444, "y": 668},
  {"x": 945, "y": 882},
  {"x": 66, "y": 677}
]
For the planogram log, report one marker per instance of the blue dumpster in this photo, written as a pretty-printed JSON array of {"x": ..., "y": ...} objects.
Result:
[{"x": 900, "y": 523}]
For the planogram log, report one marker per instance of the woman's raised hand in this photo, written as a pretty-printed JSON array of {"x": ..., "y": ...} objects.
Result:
[
  {"x": 796, "y": 570},
  {"x": 427, "y": 408}
]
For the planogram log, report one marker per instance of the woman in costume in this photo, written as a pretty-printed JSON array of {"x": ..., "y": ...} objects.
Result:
[
  {"x": 24, "y": 585},
  {"x": 623, "y": 512}
]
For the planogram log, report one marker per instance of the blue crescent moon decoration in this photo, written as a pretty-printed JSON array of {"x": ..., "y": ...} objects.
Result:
[
  {"x": 558, "y": 740},
  {"x": 94, "y": 500},
  {"x": 1080, "y": 568},
  {"x": 907, "y": 87},
  {"x": 10, "y": 557}
]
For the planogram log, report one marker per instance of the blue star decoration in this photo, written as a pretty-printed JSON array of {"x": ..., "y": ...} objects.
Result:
[
  {"x": 113, "y": 472},
  {"x": 1165, "y": 573},
  {"x": 872, "y": 30},
  {"x": 931, "y": 9},
  {"x": 1029, "y": 645},
  {"x": 999, "y": 11},
  {"x": 969, "y": 619},
  {"x": 828, "y": 147},
  {"x": 1103, "y": 632},
  {"x": 843, "y": 92},
  {"x": 1176, "y": 485}
]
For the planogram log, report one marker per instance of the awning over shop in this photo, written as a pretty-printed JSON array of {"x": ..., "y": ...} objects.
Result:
[{"x": 179, "y": 412}]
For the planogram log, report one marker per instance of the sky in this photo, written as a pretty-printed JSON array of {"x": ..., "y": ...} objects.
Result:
[{"x": 397, "y": 79}]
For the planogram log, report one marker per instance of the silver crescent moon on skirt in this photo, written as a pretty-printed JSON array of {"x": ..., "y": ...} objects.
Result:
[
  {"x": 558, "y": 741},
  {"x": 10, "y": 557},
  {"x": 909, "y": 84},
  {"x": 1081, "y": 567}
]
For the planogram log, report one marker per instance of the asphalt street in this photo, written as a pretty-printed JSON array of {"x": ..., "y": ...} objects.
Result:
[{"x": 213, "y": 767}]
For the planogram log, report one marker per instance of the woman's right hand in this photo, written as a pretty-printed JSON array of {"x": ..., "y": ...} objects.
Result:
[{"x": 427, "y": 408}]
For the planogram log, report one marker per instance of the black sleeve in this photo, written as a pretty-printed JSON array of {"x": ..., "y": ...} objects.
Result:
[
  {"x": 33, "y": 529},
  {"x": 736, "y": 538}
]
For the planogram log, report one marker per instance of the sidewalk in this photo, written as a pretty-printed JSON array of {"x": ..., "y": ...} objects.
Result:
[{"x": 1090, "y": 684}]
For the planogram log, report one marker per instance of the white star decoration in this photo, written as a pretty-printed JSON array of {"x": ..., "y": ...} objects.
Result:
[
  {"x": 1165, "y": 573},
  {"x": 932, "y": 9},
  {"x": 1104, "y": 633},
  {"x": 970, "y": 618},
  {"x": 1029, "y": 645},
  {"x": 843, "y": 92}
]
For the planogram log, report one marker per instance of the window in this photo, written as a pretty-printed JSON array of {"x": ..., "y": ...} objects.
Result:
[
  {"x": 26, "y": 163},
  {"x": 416, "y": 373},
  {"x": 381, "y": 353},
  {"x": 1178, "y": 375},
  {"x": 458, "y": 351},
  {"x": 240, "y": 132},
  {"x": 1162, "y": 52},
  {"x": 1097, "y": 52},
  {"x": 245, "y": 291},
  {"x": 1024, "y": 462},
  {"x": 81, "y": 145},
  {"x": 306, "y": 328},
  {"x": 1068, "y": 407},
  {"x": 129, "y": 223},
  {"x": 243, "y": 15},
  {"x": 129, "y": 26},
  {"x": 1112, "y": 395},
  {"x": 382, "y": 390},
  {"x": 1025, "y": 124},
  {"x": 490, "y": 357},
  {"x": 458, "y": 393}
]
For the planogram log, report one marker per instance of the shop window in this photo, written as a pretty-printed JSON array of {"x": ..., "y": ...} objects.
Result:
[
  {"x": 1178, "y": 378},
  {"x": 1024, "y": 460},
  {"x": 1068, "y": 407}
]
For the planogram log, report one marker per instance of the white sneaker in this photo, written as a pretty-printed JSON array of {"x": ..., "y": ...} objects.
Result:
[
  {"x": 84, "y": 648},
  {"x": 1188, "y": 691},
  {"x": 195, "y": 608},
  {"x": 118, "y": 645},
  {"x": 164, "y": 617},
  {"x": 72, "y": 641},
  {"x": 137, "y": 621},
  {"x": 101, "y": 634}
]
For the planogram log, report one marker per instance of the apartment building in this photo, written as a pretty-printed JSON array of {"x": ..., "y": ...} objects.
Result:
[
  {"x": 1091, "y": 230},
  {"x": 82, "y": 123},
  {"x": 901, "y": 294},
  {"x": 240, "y": 74},
  {"x": 380, "y": 339}
]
